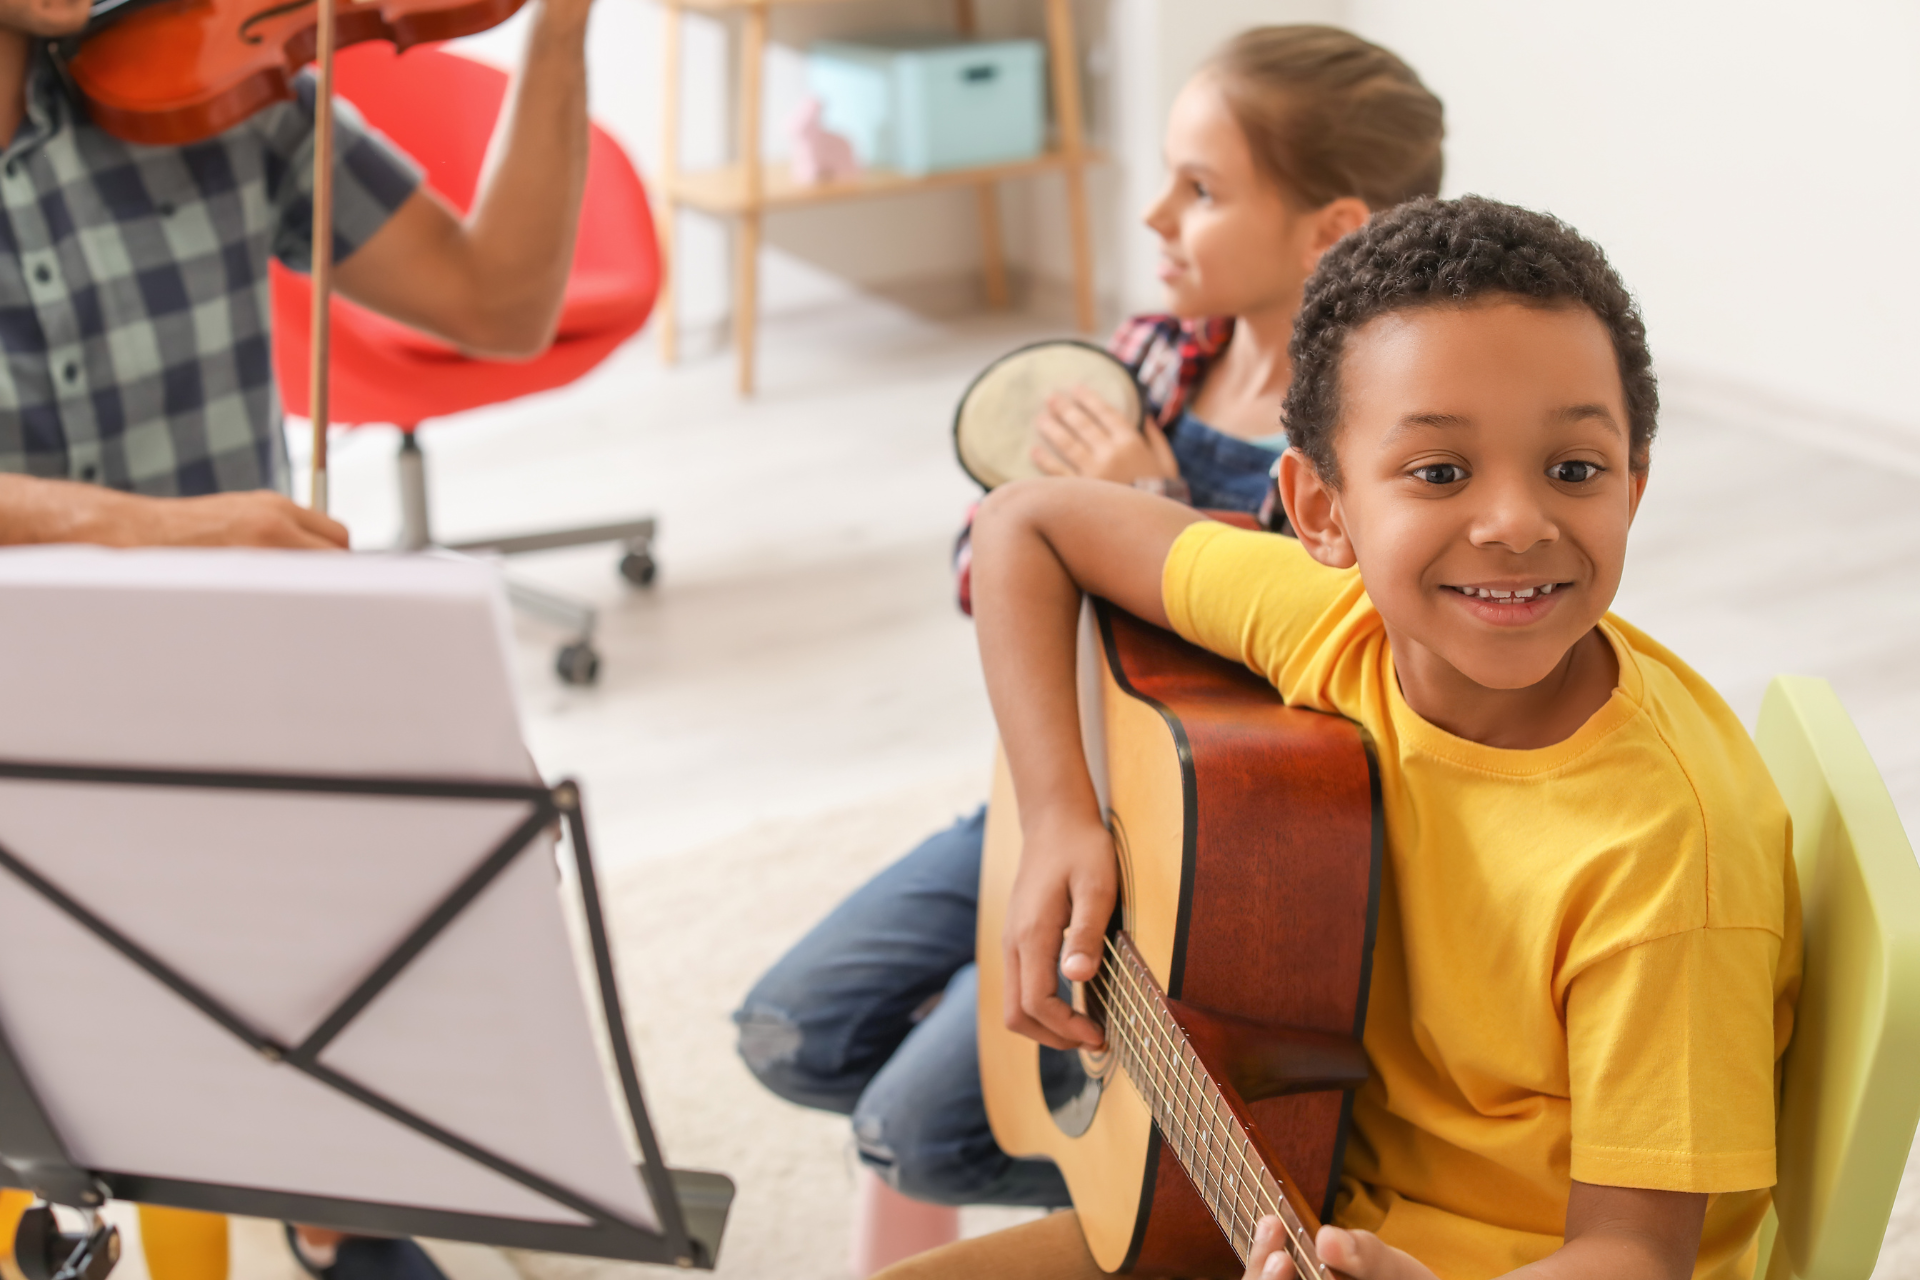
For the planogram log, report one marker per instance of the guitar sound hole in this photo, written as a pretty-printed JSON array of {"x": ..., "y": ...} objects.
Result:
[{"x": 1071, "y": 1080}]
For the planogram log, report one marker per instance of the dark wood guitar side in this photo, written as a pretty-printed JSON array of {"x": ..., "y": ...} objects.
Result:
[{"x": 1250, "y": 841}]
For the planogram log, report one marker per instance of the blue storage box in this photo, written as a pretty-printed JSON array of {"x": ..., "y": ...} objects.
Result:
[{"x": 921, "y": 103}]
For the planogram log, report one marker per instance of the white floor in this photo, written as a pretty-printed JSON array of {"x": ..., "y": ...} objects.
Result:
[{"x": 801, "y": 656}]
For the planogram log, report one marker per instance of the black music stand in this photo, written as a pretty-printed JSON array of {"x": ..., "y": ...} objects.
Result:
[{"x": 523, "y": 1185}]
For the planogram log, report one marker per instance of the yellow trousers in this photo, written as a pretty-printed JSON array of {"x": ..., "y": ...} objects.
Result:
[
  {"x": 1051, "y": 1248},
  {"x": 179, "y": 1244}
]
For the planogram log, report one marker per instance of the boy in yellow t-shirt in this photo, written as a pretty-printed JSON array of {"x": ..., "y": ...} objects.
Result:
[{"x": 1589, "y": 929}]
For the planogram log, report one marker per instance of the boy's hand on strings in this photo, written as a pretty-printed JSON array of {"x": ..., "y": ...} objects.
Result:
[
  {"x": 1086, "y": 436},
  {"x": 1057, "y": 924},
  {"x": 1360, "y": 1255}
]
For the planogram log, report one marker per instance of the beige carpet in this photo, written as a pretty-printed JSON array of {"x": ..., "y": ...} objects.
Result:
[{"x": 694, "y": 931}]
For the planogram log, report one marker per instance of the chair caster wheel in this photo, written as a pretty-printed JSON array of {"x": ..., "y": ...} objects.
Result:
[
  {"x": 577, "y": 663},
  {"x": 638, "y": 567}
]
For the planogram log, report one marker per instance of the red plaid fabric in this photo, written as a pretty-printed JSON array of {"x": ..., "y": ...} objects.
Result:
[{"x": 1169, "y": 356}]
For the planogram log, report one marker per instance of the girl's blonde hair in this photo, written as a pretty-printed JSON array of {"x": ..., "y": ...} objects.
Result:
[{"x": 1328, "y": 114}]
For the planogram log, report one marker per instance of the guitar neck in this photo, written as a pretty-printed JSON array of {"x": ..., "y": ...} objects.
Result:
[{"x": 1203, "y": 1119}]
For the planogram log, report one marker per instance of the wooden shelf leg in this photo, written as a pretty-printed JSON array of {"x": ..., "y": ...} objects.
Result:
[
  {"x": 992, "y": 254},
  {"x": 1065, "y": 65},
  {"x": 993, "y": 258},
  {"x": 666, "y": 306},
  {"x": 1076, "y": 177},
  {"x": 746, "y": 296},
  {"x": 753, "y": 49}
]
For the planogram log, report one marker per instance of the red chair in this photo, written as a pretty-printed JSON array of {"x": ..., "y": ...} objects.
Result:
[{"x": 440, "y": 108}]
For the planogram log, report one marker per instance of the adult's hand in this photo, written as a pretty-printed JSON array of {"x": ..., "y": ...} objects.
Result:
[
  {"x": 35, "y": 510},
  {"x": 1083, "y": 435},
  {"x": 257, "y": 519},
  {"x": 1056, "y": 924}
]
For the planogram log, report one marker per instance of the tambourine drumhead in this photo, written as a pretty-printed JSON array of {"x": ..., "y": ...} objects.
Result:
[{"x": 993, "y": 429}]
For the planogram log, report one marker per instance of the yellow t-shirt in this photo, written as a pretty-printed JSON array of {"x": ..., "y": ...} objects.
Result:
[{"x": 1587, "y": 954}]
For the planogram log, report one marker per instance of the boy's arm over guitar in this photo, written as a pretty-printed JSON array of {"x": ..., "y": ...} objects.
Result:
[{"x": 1036, "y": 547}]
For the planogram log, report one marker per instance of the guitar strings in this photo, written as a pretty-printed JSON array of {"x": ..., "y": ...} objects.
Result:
[
  {"x": 1225, "y": 1168},
  {"x": 1177, "y": 1114},
  {"x": 1177, "y": 1104},
  {"x": 1267, "y": 1193},
  {"x": 1181, "y": 1115}
]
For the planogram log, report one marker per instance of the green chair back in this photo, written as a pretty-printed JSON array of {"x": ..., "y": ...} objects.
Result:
[{"x": 1851, "y": 1091}]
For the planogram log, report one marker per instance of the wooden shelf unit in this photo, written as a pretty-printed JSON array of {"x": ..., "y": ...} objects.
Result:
[{"x": 745, "y": 192}]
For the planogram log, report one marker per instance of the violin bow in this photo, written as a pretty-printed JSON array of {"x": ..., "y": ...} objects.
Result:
[{"x": 317, "y": 399}]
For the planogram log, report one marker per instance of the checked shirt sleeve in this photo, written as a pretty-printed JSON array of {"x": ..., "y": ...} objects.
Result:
[{"x": 372, "y": 177}]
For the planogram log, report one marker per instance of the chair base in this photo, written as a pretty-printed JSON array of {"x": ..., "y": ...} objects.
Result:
[{"x": 576, "y": 662}]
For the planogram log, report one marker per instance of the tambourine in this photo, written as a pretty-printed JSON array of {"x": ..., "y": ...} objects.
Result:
[{"x": 993, "y": 429}]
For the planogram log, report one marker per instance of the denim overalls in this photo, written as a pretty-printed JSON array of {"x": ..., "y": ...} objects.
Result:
[{"x": 1223, "y": 472}]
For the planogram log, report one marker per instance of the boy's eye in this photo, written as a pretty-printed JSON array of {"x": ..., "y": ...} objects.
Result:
[
  {"x": 1441, "y": 473},
  {"x": 1200, "y": 189},
  {"x": 1574, "y": 472}
]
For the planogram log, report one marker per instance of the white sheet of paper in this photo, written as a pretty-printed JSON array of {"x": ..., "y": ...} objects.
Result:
[{"x": 279, "y": 904}]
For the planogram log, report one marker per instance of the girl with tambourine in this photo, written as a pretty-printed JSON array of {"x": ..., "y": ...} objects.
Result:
[{"x": 1285, "y": 141}]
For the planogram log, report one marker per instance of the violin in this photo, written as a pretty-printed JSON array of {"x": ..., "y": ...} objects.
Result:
[{"x": 172, "y": 72}]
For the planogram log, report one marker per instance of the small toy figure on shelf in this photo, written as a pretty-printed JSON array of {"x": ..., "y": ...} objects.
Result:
[{"x": 819, "y": 155}]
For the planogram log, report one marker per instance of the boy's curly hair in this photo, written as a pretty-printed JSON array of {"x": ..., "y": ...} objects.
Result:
[{"x": 1449, "y": 252}]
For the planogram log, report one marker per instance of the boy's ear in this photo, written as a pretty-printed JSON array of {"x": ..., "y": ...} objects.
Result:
[
  {"x": 1331, "y": 221},
  {"x": 1313, "y": 509}
]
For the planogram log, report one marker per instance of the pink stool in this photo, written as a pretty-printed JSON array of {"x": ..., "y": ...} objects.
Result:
[{"x": 888, "y": 1226}]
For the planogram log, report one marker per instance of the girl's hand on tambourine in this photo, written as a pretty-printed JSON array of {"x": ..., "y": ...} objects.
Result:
[
  {"x": 1360, "y": 1255},
  {"x": 1083, "y": 435}
]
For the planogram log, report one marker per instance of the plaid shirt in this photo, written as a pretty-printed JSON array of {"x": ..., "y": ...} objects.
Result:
[
  {"x": 134, "y": 312},
  {"x": 1169, "y": 356}
]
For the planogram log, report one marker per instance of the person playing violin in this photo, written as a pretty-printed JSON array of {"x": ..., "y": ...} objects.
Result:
[{"x": 137, "y": 401}]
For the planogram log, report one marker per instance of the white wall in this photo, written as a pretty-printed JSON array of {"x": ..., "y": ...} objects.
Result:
[{"x": 1751, "y": 166}]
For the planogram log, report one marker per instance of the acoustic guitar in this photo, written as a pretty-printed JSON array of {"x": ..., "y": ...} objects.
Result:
[{"x": 1234, "y": 988}]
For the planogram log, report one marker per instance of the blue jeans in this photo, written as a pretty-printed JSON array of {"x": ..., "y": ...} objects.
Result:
[
  {"x": 1222, "y": 472},
  {"x": 872, "y": 1015}
]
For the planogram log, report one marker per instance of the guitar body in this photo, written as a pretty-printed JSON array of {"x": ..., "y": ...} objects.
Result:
[{"x": 1249, "y": 841}]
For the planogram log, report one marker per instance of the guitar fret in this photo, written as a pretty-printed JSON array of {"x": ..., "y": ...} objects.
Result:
[
  {"x": 1248, "y": 1184},
  {"x": 1148, "y": 1065},
  {"x": 1165, "y": 1104},
  {"x": 1210, "y": 1140},
  {"x": 1155, "y": 1072},
  {"x": 1191, "y": 1105},
  {"x": 1246, "y": 1181},
  {"x": 1178, "y": 1102},
  {"x": 1158, "y": 1063}
]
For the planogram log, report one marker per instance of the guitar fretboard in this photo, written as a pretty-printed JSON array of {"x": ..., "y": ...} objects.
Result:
[{"x": 1208, "y": 1131}]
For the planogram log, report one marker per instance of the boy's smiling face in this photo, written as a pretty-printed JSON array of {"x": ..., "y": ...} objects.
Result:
[{"x": 1485, "y": 491}]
